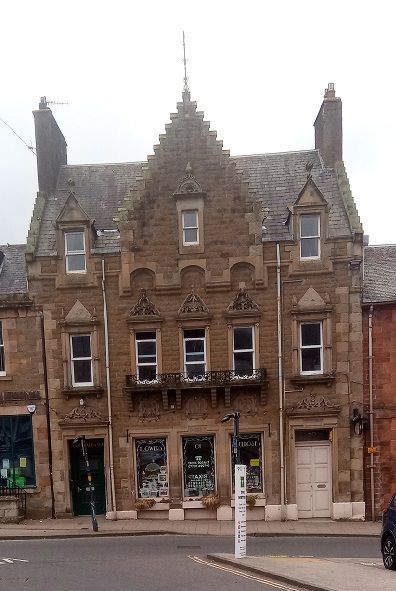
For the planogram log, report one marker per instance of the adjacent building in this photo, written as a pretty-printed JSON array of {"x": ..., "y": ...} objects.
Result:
[
  {"x": 379, "y": 330},
  {"x": 24, "y": 457},
  {"x": 187, "y": 286}
]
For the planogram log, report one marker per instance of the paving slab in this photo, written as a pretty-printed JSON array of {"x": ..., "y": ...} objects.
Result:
[{"x": 317, "y": 574}]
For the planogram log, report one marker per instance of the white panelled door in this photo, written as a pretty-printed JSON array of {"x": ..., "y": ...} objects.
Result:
[{"x": 313, "y": 475}]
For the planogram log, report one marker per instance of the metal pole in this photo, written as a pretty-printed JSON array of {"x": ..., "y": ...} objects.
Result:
[
  {"x": 235, "y": 439},
  {"x": 89, "y": 477}
]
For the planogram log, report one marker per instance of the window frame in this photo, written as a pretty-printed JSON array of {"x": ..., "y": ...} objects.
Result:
[
  {"x": 197, "y": 436},
  {"x": 252, "y": 351},
  {"x": 150, "y": 440},
  {"x": 246, "y": 434},
  {"x": 13, "y": 454},
  {"x": 305, "y": 347},
  {"x": 75, "y": 252},
  {"x": 73, "y": 359},
  {"x": 189, "y": 363},
  {"x": 2, "y": 351},
  {"x": 184, "y": 227},
  {"x": 316, "y": 236},
  {"x": 138, "y": 364}
]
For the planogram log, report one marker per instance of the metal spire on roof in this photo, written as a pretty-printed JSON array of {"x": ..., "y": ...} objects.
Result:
[{"x": 186, "y": 89}]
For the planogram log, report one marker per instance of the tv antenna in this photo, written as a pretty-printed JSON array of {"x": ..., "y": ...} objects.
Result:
[{"x": 44, "y": 102}]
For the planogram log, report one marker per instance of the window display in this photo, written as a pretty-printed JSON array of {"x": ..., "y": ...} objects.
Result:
[
  {"x": 16, "y": 451},
  {"x": 152, "y": 469},
  {"x": 198, "y": 466},
  {"x": 250, "y": 453}
]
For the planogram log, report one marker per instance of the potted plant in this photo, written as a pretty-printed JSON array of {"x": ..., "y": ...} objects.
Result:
[
  {"x": 144, "y": 504},
  {"x": 251, "y": 501},
  {"x": 211, "y": 501}
]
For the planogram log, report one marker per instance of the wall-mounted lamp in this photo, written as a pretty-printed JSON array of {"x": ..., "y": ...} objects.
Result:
[{"x": 358, "y": 422}]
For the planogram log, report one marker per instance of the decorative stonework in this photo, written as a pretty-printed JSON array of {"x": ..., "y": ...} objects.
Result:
[
  {"x": 83, "y": 414},
  {"x": 196, "y": 408},
  {"x": 149, "y": 411},
  {"x": 246, "y": 404},
  {"x": 242, "y": 302},
  {"x": 311, "y": 301},
  {"x": 144, "y": 306},
  {"x": 315, "y": 402},
  {"x": 193, "y": 304},
  {"x": 189, "y": 183},
  {"x": 78, "y": 314}
]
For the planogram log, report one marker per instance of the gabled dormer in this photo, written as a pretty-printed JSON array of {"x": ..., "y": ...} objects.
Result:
[
  {"x": 74, "y": 239},
  {"x": 310, "y": 223}
]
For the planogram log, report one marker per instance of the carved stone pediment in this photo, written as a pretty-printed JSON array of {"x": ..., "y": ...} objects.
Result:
[
  {"x": 311, "y": 301},
  {"x": 79, "y": 315},
  {"x": 242, "y": 302},
  {"x": 188, "y": 184},
  {"x": 144, "y": 306},
  {"x": 315, "y": 402},
  {"x": 193, "y": 304},
  {"x": 82, "y": 414}
]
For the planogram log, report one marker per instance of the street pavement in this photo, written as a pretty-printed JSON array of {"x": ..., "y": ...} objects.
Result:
[{"x": 174, "y": 562}]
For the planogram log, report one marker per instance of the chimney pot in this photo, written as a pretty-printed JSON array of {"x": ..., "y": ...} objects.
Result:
[{"x": 329, "y": 91}]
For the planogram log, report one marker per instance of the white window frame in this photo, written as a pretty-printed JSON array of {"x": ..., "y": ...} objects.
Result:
[
  {"x": 2, "y": 349},
  {"x": 154, "y": 340},
  {"x": 184, "y": 227},
  {"x": 73, "y": 359},
  {"x": 190, "y": 363},
  {"x": 304, "y": 347},
  {"x": 317, "y": 236},
  {"x": 252, "y": 351},
  {"x": 74, "y": 252}
]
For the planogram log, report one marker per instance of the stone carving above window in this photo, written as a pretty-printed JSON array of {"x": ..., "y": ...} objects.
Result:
[
  {"x": 246, "y": 404},
  {"x": 193, "y": 304},
  {"x": 196, "y": 408},
  {"x": 311, "y": 301},
  {"x": 189, "y": 183},
  {"x": 144, "y": 306},
  {"x": 78, "y": 315},
  {"x": 315, "y": 402},
  {"x": 149, "y": 411},
  {"x": 243, "y": 302},
  {"x": 82, "y": 414}
]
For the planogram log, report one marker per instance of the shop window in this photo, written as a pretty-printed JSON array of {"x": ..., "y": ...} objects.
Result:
[
  {"x": 2, "y": 354},
  {"x": 190, "y": 227},
  {"x": 311, "y": 348},
  {"x": 152, "y": 468},
  {"x": 146, "y": 356},
  {"x": 310, "y": 236},
  {"x": 198, "y": 466},
  {"x": 81, "y": 360},
  {"x": 194, "y": 353},
  {"x": 75, "y": 252},
  {"x": 243, "y": 350},
  {"x": 16, "y": 451},
  {"x": 250, "y": 453}
]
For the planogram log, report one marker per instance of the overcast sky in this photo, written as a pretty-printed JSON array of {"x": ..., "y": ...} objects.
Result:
[{"x": 257, "y": 69}]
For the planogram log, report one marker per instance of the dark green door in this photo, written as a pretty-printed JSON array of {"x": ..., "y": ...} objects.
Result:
[{"x": 79, "y": 482}]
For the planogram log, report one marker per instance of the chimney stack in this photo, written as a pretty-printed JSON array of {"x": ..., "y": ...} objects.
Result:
[
  {"x": 50, "y": 147},
  {"x": 328, "y": 128}
]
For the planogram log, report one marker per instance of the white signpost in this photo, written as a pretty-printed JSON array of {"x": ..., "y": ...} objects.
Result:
[{"x": 240, "y": 511}]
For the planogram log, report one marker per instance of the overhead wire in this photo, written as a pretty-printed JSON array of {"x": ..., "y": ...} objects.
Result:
[{"x": 30, "y": 148}]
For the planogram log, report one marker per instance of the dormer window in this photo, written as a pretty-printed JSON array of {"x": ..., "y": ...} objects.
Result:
[
  {"x": 190, "y": 227},
  {"x": 309, "y": 236},
  {"x": 75, "y": 252}
]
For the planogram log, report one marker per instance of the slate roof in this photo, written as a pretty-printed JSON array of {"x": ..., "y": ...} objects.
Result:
[
  {"x": 276, "y": 179},
  {"x": 13, "y": 270},
  {"x": 379, "y": 273}
]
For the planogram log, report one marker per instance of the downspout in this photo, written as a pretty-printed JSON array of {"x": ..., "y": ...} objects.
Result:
[
  {"x": 371, "y": 412},
  {"x": 48, "y": 417},
  {"x": 108, "y": 387},
  {"x": 280, "y": 383}
]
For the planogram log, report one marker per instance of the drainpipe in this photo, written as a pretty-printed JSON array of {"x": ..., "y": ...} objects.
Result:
[
  {"x": 48, "y": 417},
  {"x": 108, "y": 387},
  {"x": 371, "y": 412},
  {"x": 280, "y": 383}
]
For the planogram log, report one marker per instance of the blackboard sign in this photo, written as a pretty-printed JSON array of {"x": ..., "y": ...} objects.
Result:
[
  {"x": 152, "y": 470},
  {"x": 198, "y": 466}
]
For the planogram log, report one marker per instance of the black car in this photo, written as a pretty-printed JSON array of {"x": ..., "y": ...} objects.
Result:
[{"x": 388, "y": 535}]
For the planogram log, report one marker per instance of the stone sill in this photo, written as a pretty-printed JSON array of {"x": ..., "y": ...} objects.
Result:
[
  {"x": 193, "y": 505},
  {"x": 326, "y": 379},
  {"x": 81, "y": 392}
]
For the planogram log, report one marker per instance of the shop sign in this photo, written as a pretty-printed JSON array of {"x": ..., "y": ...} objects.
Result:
[{"x": 240, "y": 511}]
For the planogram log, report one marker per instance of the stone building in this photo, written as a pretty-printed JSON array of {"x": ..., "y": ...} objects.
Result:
[
  {"x": 379, "y": 351},
  {"x": 190, "y": 285},
  {"x": 24, "y": 458}
]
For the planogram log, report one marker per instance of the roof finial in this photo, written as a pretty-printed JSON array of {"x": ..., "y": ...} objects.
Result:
[{"x": 186, "y": 90}]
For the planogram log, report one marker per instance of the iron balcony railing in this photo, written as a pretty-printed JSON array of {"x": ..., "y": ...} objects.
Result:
[{"x": 209, "y": 378}]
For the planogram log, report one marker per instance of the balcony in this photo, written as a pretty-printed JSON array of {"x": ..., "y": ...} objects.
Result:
[{"x": 209, "y": 380}]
